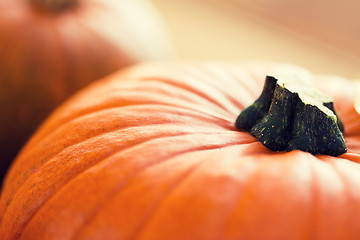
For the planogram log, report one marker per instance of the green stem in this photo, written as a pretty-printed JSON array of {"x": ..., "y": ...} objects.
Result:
[
  {"x": 290, "y": 114},
  {"x": 259, "y": 108}
]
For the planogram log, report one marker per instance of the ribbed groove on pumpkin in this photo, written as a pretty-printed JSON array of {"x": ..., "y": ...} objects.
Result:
[
  {"x": 200, "y": 73},
  {"x": 320, "y": 199},
  {"x": 158, "y": 203},
  {"x": 229, "y": 90},
  {"x": 162, "y": 199},
  {"x": 346, "y": 193},
  {"x": 202, "y": 115},
  {"x": 219, "y": 101},
  {"x": 90, "y": 119},
  {"x": 180, "y": 131},
  {"x": 259, "y": 185},
  {"x": 241, "y": 101},
  {"x": 27, "y": 190},
  {"x": 128, "y": 181},
  {"x": 30, "y": 215},
  {"x": 146, "y": 223},
  {"x": 315, "y": 203},
  {"x": 94, "y": 139},
  {"x": 167, "y": 158},
  {"x": 93, "y": 133},
  {"x": 354, "y": 147},
  {"x": 130, "y": 97},
  {"x": 351, "y": 156},
  {"x": 341, "y": 167},
  {"x": 352, "y": 123},
  {"x": 188, "y": 92},
  {"x": 132, "y": 178}
]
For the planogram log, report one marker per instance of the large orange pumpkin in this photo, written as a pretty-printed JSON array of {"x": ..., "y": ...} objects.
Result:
[
  {"x": 152, "y": 153},
  {"x": 49, "y": 49}
]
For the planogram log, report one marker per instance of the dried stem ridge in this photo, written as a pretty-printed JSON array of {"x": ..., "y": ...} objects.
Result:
[{"x": 290, "y": 114}]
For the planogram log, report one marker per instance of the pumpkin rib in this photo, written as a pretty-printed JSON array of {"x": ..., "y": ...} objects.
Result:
[
  {"x": 114, "y": 193},
  {"x": 69, "y": 149},
  {"x": 319, "y": 213},
  {"x": 189, "y": 89},
  {"x": 346, "y": 193},
  {"x": 157, "y": 205},
  {"x": 69, "y": 145},
  {"x": 258, "y": 187},
  {"x": 193, "y": 74},
  {"x": 198, "y": 91},
  {"x": 147, "y": 219},
  {"x": 352, "y": 124},
  {"x": 311, "y": 226},
  {"x": 126, "y": 129},
  {"x": 245, "y": 196},
  {"x": 23, "y": 195},
  {"x": 234, "y": 97},
  {"x": 47, "y": 130},
  {"x": 212, "y": 121},
  {"x": 168, "y": 158},
  {"x": 223, "y": 88},
  {"x": 124, "y": 101},
  {"x": 28, "y": 192},
  {"x": 228, "y": 210},
  {"x": 353, "y": 148},
  {"x": 351, "y": 156},
  {"x": 156, "y": 165},
  {"x": 350, "y": 196},
  {"x": 232, "y": 77}
]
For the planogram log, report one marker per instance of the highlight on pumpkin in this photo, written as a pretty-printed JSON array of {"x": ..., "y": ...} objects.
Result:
[{"x": 291, "y": 114}]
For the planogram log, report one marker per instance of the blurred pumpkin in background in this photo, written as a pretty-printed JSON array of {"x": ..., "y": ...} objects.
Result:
[
  {"x": 152, "y": 153},
  {"x": 51, "y": 48}
]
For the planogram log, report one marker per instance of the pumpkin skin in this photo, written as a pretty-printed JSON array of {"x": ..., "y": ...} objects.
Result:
[
  {"x": 46, "y": 55},
  {"x": 152, "y": 152}
]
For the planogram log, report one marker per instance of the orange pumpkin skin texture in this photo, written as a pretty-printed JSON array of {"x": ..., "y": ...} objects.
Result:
[
  {"x": 46, "y": 55},
  {"x": 152, "y": 153}
]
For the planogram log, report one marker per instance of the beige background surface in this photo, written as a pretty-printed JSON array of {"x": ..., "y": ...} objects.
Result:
[{"x": 214, "y": 30}]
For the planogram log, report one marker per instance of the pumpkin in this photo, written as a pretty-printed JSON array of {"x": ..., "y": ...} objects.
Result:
[
  {"x": 152, "y": 152},
  {"x": 51, "y": 48}
]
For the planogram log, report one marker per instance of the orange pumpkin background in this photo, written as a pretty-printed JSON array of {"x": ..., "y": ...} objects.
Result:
[
  {"x": 49, "y": 49},
  {"x": 152, "y": 153}
]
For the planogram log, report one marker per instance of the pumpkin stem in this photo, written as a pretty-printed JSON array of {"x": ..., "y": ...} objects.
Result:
[
  {"x": 53, "y": 6},
  {"x": 291, "y": 114}
]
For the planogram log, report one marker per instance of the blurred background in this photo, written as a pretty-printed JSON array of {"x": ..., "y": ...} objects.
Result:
[{"x": 321, "y": 35}]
